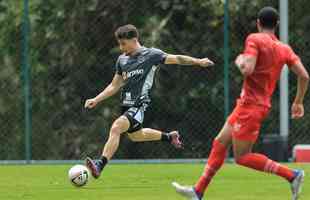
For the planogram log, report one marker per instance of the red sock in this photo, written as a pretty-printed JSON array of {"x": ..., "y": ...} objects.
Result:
[
  {"x": 262, "y": 163},
  {"x": 215, "y": 161}
]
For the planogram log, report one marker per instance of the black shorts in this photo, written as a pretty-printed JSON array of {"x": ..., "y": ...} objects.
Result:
[{"x": 135, "y": 115}]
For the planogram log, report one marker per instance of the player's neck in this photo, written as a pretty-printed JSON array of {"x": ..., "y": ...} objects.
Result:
[{"x": 268, "y": 31}]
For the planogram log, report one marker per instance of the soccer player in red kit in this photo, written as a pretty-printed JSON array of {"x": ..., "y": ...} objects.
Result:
[{"x": 261, "y": 64}]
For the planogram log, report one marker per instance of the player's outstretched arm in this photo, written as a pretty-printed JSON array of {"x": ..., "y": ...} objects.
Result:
[
  {"x": 109, "y": 91},
  {"x": 187, "y": 60},
  {"x": 302, "y": 86}
]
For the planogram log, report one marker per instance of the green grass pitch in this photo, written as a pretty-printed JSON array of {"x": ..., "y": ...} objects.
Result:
[{"x": 142, "y": 182}]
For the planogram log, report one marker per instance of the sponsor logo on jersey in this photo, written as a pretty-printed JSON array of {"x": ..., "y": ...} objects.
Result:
[
  {"x": 135, "y": 72},
  {"x": 130, "y": 74}
]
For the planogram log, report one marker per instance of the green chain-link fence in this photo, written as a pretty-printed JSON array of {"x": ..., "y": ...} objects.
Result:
[
  {"x": 299, "y": 29},
  {"x": 72, "y": 52}
]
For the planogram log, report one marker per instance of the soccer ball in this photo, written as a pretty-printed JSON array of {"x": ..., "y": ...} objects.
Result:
[{"x": 78, "y": 175}]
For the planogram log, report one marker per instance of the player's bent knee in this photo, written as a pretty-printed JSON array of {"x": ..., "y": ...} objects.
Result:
[
  {"x": 115, "y": 130},
  {"x": 119, "y": 126}
]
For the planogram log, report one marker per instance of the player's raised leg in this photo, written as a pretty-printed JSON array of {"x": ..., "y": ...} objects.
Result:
[
  {"x": 148, "y": 134},
  {"x": 119, "y": 126},
  {"x": 216, "y": 159},
  {"x": 245, "y": 157}
]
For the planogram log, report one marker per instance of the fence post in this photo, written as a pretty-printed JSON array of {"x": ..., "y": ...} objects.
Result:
[
  {"x": 284, "y": 95},
  {"x": 226, "y": 58},
  {"x": 26, "y": 73}
]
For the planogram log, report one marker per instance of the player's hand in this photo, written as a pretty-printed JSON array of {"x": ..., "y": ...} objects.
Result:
[
  {"x": 239, "y": 61},
  {"x": 297, "y": 110},
  {"x": 205, "y": 62},
  {"x": 90, "y": 103}
]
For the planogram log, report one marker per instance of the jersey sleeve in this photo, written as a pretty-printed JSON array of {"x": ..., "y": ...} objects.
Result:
[
  {"x": 118, "y": 69},
  {"x": 158, "y": 56},
  {"x": 292, "y": 58},
  {"x": 251, "y": 46}
]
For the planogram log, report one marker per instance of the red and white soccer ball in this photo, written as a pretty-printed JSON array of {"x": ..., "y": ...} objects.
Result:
[{"x": 78, "y": 175}]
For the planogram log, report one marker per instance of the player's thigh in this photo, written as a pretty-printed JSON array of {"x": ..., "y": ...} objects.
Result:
[
  {"x": 136, "y": 135},
  {"x": 120, "y": 125},
  {"x": 244, "y": 138},
  {"x": 135, "y": 116},
  {"x": 225, "y": 135},
  {"x": 246, "y": 122},
  {"x": 242, "y": 147}
]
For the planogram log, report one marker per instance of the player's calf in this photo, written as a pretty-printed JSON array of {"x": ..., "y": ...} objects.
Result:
[{"x": 118, "y": 127}]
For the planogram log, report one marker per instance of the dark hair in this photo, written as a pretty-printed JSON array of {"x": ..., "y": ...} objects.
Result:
[
  {"x": 268, "y": 17},
  {"x": 128, "y": 31}
]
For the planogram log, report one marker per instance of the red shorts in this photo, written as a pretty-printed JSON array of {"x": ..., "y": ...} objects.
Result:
[{"x": 246, "y": 121}]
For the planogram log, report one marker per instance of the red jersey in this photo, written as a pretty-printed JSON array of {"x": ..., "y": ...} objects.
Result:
[{"x": 271, "y": 56}]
